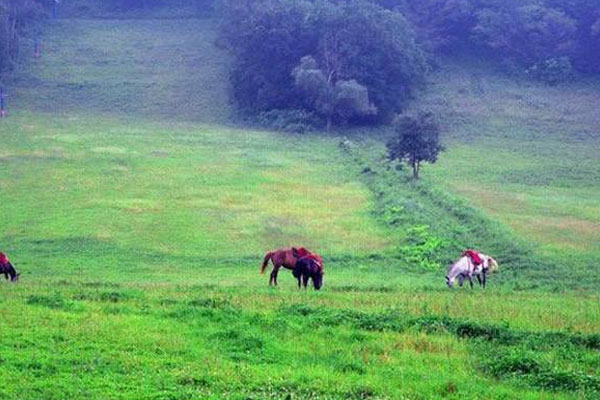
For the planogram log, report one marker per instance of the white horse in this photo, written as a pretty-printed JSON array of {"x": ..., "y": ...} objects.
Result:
[{"x": 465, "y": 269}]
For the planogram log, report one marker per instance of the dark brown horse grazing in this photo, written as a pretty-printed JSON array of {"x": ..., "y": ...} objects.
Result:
[
  {"x": 286, "y": 258},
  {"x": 7, "y": 268},
  {"x": 309, "y": 268}
]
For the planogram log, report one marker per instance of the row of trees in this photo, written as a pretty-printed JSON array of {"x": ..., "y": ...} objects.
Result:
[{"x": 528, "y": 32}]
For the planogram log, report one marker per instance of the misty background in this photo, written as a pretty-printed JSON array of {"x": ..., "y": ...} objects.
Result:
[{"x": 302, "y": 65}]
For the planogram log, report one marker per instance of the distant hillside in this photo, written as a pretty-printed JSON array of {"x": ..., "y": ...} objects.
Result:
[
  {"x": 128, "y": 9},
  {"x": 171, "y": 69}
]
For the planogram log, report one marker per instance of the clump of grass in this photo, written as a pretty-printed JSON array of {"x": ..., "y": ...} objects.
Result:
[
  {"x": 367, "y": 289},
  {"x": 241, "y": 345},
  {"x": 216, "y": 308},
  {"x": 54, "y": 301},
  {"x": 216, "y": 303},
  {"x": 106, "y": 296},
  {"x": 392, "y": 320},
  {"x": 522, "y": 364}
]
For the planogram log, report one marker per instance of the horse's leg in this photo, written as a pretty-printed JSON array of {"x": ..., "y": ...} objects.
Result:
[
  {"x": 273, "y": 280},
  {"x": 305, "y": 280},
  {"x": 471, "y": 281},
  {"x": 479, "y": 280},
  {"x": 484, "y": 278},
  {"x": 461, "y": 280}
]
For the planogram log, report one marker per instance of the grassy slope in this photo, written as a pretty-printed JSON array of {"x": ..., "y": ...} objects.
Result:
[
  {"x": 140, "y": 244},
  {"x": 527, "y": 154},
  {"x": 120, "y": 67}
]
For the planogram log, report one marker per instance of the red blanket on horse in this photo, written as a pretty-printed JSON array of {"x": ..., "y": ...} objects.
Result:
[
  {"x": 3, "y": 259},
  {"x": 301, "y": 252},
  {"x": 473, "y": 255}
]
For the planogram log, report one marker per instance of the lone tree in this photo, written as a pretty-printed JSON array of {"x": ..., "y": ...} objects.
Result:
[{"x": 418, "y": 140}]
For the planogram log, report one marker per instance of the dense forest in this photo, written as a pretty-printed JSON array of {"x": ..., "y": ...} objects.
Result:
[
  {"x": 329, "y": 62},
  {"x": 358, "y": 61}
]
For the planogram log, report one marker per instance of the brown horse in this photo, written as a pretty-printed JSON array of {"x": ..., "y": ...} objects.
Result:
[
  {"x": 7, "y": 268},
  {"x": 286, "y": 258}
]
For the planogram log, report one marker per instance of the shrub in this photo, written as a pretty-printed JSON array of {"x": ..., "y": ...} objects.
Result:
[
  {"x": 289, "y": 120},
  {"x": 423, "y": 248}
]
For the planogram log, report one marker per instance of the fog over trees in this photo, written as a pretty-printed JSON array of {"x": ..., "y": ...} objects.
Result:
[
  {"x": 298, "y": 54},
  {"x": 354, "y": 61}
]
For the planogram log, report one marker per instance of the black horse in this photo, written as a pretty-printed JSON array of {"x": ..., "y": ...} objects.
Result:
[
  {"x": 308, "y": 268},
  {"x": 7, "y": 269}
]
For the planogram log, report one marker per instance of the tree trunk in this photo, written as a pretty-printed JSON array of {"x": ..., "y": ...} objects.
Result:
[{"x": 415, "y": 167}]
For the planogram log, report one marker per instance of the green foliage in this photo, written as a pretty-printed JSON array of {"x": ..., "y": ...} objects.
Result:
[
  {"x": 342, "y": 100},
  {"x": 417, "y": 141},
  {"x": 529, "y": 34},
  {"x": 352, "y": 101},
  {"x": 348, "y": 60},
  {"x": 525, "y": 32},
  {"x": 586, "y": 56},
  {"x": 56, "y": 301},
  {"x": 442, "y": 25},
  {"x": 423, "y": 248},
  {"x": 527, "y": 365},
  {"x": 289, "y": 120}
]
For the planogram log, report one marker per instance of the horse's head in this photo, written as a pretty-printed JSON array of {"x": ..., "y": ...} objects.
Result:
[
  {"x": 492, "y": 264},
  {"x": 461, "y": 266},
  {"x": 315, "y": 271},
  {"x": 317, "y": 278},
  {"x": 12, "y": 272},
  {"x": 319, "y": 271}
]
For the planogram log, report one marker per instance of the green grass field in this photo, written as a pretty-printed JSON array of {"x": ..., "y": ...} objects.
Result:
[{"x": 139, "y": 235}]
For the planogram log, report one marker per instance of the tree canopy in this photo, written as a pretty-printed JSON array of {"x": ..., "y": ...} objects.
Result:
[
  {"x": 343, "y": 60},
  {"x": 527, "y": 32},
  {"x": 417, "y": 141}
]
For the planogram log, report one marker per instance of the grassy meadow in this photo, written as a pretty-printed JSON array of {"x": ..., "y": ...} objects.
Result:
[
  {"x": 139, "y": 228},
  {"x": 526, "y": 154}
]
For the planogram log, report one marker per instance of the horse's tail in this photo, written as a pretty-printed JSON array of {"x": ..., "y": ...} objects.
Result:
[{"x": 265, "y": 262}]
